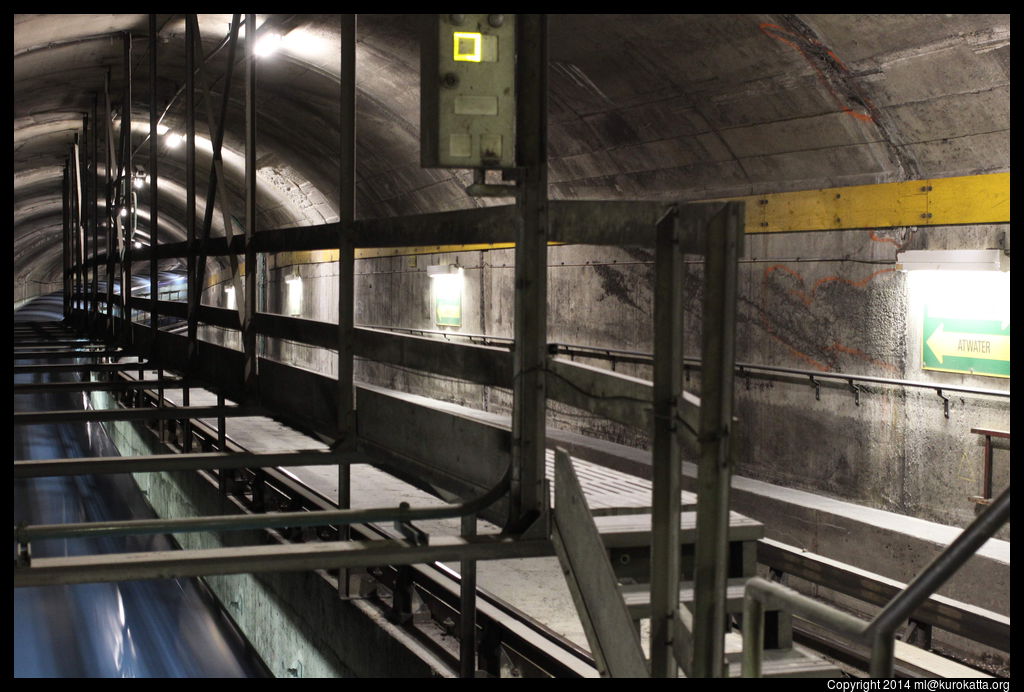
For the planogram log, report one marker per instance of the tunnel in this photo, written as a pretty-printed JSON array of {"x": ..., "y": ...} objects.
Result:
[{"x": 512, "y": 345}]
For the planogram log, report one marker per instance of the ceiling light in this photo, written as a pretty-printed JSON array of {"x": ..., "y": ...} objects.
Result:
[
  {"x": 137, "y": 245},
  {"x": 173, "y": 139},
  {"x": 267, "y": 44}
]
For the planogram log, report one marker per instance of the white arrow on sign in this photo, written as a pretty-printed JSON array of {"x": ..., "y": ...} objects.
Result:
[{"x": 968, "y": 345}]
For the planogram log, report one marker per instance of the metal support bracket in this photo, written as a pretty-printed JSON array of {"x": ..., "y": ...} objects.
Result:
[
  {"x": 817, "y": 388},
  {"x": 540, "y": 527},
  {"x": 855, "y": 388},
  {"x": 945, "y": 402},
  {"x": 481, "y": 188},
  {"x": 23, "y": 557},
  {"x": 415, "y": 535}
]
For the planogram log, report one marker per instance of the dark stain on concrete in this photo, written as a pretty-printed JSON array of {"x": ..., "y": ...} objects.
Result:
[{"x": 613, "y": 284}]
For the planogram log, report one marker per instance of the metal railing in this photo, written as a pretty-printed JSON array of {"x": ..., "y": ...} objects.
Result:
[{"x": 879, "y": 633}]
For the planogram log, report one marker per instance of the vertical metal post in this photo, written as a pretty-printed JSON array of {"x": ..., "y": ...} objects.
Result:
[
  {"x": 221, "y": 423},
  {"x": 66, "y": 239},
  {"x": 986, "y": 479},
  {"x": 76, "y": 222},
  {"x": 154, "y": 226},
  {"x": 248, "y": 321},
  {"x": 723, "y": 239},
  {"x": 83, "y": 213},
  {"x": 110, "y": 165},
  {"x": 94, "y": 208},
  {"x": 192, "y": 288},
  {"x": 346, "y": 270},
  {"x": 126, "y": 194},
  {"x": 84, "y": 201},
  {"x": 666, "y": 462},
  {"x": 528, "y": 498},
  {"x": 753, "y": 636},
  {"x": 252, "y": 273},
  {"x": 72, "y": 233},
  {"x": 467, "y": 596}
]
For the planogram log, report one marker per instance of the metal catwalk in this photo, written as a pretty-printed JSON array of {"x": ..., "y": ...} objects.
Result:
[{"x": 153, "y": 628}]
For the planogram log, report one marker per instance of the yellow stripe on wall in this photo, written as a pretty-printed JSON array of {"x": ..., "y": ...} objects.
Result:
[
  {"x": 969, "y": 199},
  {"x": 972, "y": 199}
]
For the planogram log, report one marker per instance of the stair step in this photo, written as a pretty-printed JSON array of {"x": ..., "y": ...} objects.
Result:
[
  {"x": 634, "y": 530},
  {"x": 638, "y": 597},
  {"x": 797, "y": 662}
]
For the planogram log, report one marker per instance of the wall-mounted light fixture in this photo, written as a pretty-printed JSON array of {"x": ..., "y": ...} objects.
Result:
[
  {"x": 294, "y": 283},
  {"x": 446, "y": 285},
  {"x": 953, "y": 260},
  {"x": 229, "y": 291},
  {"x": 961, "y": 301},
  {"x": 139, "y": 177}
]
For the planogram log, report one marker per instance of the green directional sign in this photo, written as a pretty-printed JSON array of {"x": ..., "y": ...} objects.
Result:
[
  {"x": 448, "y": 310},
  {"x": 953, "y": 344}
]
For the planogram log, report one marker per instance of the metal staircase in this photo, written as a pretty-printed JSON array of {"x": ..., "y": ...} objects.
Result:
[{"x": 606, "y": 561}]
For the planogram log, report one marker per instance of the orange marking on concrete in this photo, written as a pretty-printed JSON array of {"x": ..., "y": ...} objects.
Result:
[
  {"x": 764, "y": 26},
  {"x": 862, "y": 355},
  {"x": 857, "y": 284},
  {"x": 877, "y": 239},
  {"x": 807, "y": 298}
]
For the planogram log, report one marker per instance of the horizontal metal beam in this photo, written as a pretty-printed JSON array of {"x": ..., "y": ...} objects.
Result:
[
  {"x": 488, "y": 365},
  {"x": 115, "y": 386},
  {"x": 45, "y": 355},
  {"x": 84, "y": 367},
  {"x": 271, "y": 558},
  {"x": 168, "y": 413},
  {"x": 37, "y": 468},
  {"x": 21, "y": 342}
]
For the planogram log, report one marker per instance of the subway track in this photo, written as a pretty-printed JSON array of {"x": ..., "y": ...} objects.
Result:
[
  {"x": 511, "y": 643},
  {"x": 156, "y": 628}
]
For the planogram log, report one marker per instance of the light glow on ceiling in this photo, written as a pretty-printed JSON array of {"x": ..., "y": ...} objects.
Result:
[{"x": 268, "y": 44}]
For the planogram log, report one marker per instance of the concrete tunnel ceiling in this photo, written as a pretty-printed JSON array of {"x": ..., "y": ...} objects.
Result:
[{"x": 640, "y": 106}]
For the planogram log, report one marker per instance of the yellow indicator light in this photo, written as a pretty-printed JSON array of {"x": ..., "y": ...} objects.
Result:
[{"x": 468, "y": 46}]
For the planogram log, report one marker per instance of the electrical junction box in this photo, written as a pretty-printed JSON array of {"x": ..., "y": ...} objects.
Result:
[{"x": 468, "y": 91}]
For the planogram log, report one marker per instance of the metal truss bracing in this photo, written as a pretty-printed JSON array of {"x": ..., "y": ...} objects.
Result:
[
  {"x": 511, "y": 489},
  {"x": 356, "y": 421}
]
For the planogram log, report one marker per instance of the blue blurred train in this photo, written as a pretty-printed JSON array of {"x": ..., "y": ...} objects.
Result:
[{"x": 152, "y": 628}]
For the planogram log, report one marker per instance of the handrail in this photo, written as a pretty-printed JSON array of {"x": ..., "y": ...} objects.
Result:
[
  {"x": 929, "y": 581},
  {"x": 642, "y": 357},
  {"x": 23, "y": 534},
  {"x": 742, "y": 368},
  {"x": 879, "y": 633}
]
